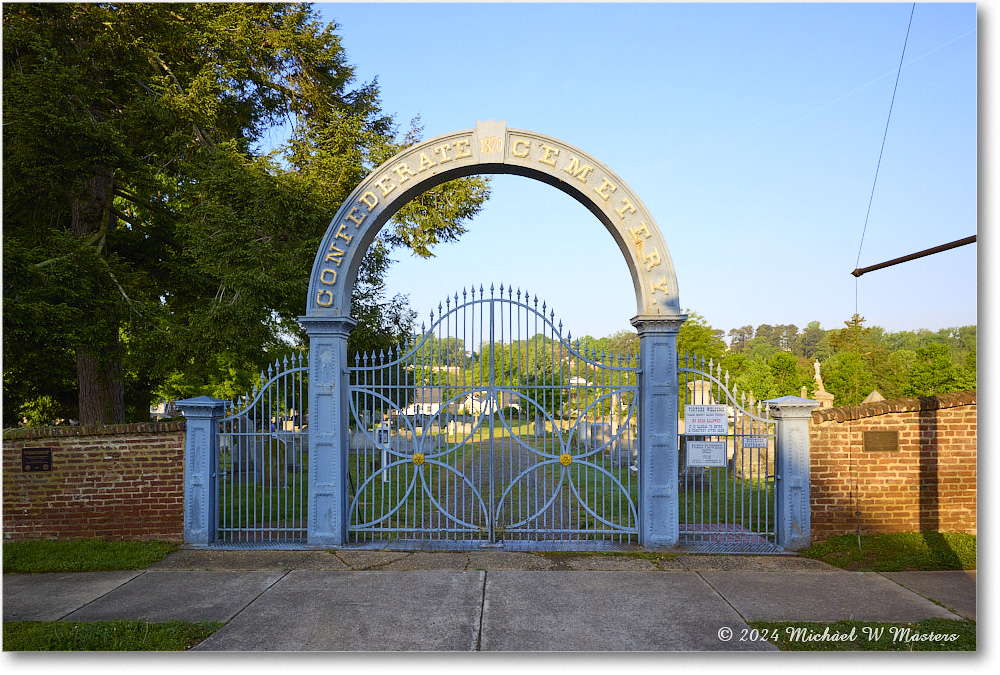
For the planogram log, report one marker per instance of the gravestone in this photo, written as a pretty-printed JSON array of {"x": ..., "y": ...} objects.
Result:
[
  {"x": 623, "y": 451},
  {"x": 600, "y": 434},
  {"x": 538, "y": 427},
  {"x": 701, "y": 392}
]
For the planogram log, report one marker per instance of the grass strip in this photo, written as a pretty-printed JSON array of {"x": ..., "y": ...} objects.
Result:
[
  {"x": 897, "y": 552},
  {"x": 104, "y": 636},
  {"x": 82, "y": 555},
  {"x": 929, "y": 635}
]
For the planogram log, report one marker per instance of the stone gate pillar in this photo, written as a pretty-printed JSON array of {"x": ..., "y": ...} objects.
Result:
[
  {"x": 329, "y": 412},
  {"x": 658, "y": 511},
  {"x": 201, "y": 461},
  {"x": 791, "y": 467}
]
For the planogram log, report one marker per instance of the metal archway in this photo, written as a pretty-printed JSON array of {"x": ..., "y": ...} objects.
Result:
[{"x": 491, "y": 148}]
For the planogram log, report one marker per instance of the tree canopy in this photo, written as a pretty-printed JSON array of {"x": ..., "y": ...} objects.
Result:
[
  {"x": 856, "y": 359},
  {"x": 153, "y": 237}
]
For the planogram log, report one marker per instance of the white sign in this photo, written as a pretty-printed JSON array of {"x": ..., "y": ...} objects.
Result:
[
  {"x": 706, "y": 453},
  {"x": 706, "y": 420},
  {"x": 755, "y": 441}
]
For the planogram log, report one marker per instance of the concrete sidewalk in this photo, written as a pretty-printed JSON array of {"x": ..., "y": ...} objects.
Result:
[{"x": 486, "y": 600}]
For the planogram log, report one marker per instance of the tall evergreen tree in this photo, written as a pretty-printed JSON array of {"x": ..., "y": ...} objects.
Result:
[{"x": 146, "y": 228}]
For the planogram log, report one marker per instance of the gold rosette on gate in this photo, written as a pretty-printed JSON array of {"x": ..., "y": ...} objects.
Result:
[
  {"x": 418, "y": 458},
  {"x": 565, "y": 459}
]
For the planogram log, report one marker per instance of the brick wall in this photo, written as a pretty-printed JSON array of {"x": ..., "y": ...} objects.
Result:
[
  {"x": 127, "y": 481},
  {"x": 929, "y": 483},
  {"x": 114, "y": 482}
]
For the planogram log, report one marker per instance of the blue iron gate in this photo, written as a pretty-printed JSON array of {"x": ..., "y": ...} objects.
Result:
[
  {"x": 493, "y": 429},
  {"x": 261, "y": 482},
  {"x": 726, "y": 465}
]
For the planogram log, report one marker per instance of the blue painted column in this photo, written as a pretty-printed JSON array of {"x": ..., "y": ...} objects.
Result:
[
  {"x": 328, "y": 429},
  {"x": 659, "y": 524},
  {"x": 201, "y": 460},
  {"x": 791, "y": 468}
]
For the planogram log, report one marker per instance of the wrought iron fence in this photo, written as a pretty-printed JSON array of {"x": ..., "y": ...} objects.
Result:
[
  {"x": 493, "y": 429},
  {"x": 261, "y": 483},
  {"x": 726, "y": 464}
]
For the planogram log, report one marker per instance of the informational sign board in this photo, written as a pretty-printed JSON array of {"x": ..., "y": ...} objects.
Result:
[
  {"x": 881, "y": 441},
  {"x": 706, "y": 420},
  {"x": 706, "y": 453},
  {"x": 755, "y": 441},
  {"x": 36, "y": 459}
]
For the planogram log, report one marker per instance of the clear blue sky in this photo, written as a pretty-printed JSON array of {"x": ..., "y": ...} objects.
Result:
[{"x": 750, "y": 132}]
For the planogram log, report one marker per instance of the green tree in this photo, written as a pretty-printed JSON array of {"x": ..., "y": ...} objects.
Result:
[
  {"x": 933, "y": 373},
  {"x": 757, "y": 379},
  {"x": 146, "y": 229},
  {"x": 789, "y": 374},
  {"x": 848, "y": 377},
  {"x": 892, "y": 379},
  {"x": 542, "y": 389},
  {"x": 789, "y": 338},
  {"x": 697, "y": 338},
  {"x": 811, "y": 341},
  {"x": 966, "y": 376},
  {"x": 739, "y": 337},
  {"x": 381, "y": 324},
  {"x": 623, "y": 342}
]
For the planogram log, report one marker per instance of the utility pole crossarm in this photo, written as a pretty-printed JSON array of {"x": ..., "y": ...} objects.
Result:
[{"x": 913, "y": 256}]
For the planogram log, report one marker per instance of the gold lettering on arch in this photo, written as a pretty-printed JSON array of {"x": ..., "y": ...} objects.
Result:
[
  {"x": 549, "y": 155},
  {"x": 493, "y": 138},
  {"x": 605, "y": 186},
  {"x": 576, "y": 171},
  {"x": 626, "y": 208},
  {"x": 462, "y": 148},
  {"x": 340, "y": 234},
  {"x": 636, "y": 239},
  {"x": 353, "y": 218},
  {"x": 320, "y": 299},
  {"x": 425, "y": 163},
  {"x": 490, "y": 145},
  {"x": 370, "y": 200},
  {"x": 335, "y": 255}
]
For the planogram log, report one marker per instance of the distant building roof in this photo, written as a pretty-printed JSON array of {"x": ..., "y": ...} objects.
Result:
[{"x": 874, "y": 397}]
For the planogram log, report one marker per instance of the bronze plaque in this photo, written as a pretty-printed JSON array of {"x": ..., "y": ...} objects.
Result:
[
  {"x": 881, "y": 441},
  {"x": 36, "y": 459}
]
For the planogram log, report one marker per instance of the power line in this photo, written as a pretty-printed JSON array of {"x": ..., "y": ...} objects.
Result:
[
  {"x": 856, "y": 319},
  {"x": 885, "y": 134}
]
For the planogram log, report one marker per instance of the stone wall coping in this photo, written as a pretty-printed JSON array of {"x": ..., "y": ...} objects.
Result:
[
  {"x": 850, "y": 413},
  {"x": 104, "y": 430}
]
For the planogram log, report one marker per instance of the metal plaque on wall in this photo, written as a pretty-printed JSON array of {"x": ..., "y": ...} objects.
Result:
[
  {"x": 36, "y": 459},
  {"x": 881, "y": 441}
]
